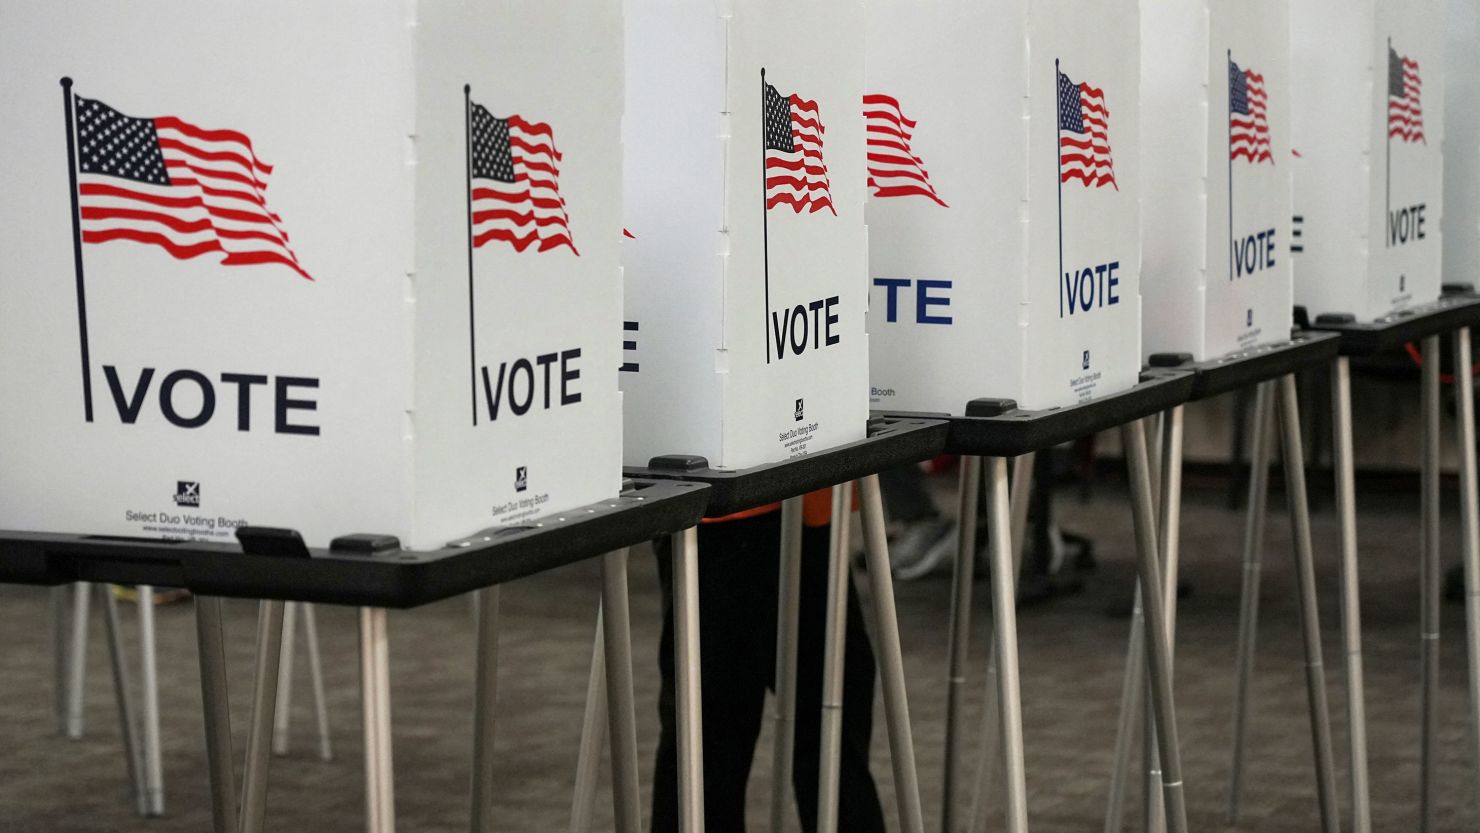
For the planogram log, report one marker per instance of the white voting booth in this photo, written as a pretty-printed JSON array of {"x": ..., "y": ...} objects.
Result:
[
  {"x": 745, "y": 254},
  {"x": 1369, "y": 136},
  {"x": 1004, "y": 222},
  {"x": 1462, "y": 143},
  {"x": 351, "y": 269},
  {"x": 1215, "y": 140}
]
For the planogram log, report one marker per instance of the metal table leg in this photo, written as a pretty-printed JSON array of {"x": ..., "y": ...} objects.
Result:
[
  {"x": 1310, "y": 620},
  {"x": 1004, "y": 620},
  {"x": 1351, "y": 607},
  {"x": 783, "y": 721},
  {"x": 687, "y": 687},
  {"x": 617, "y": 624},
  {"x": 593, "y": 730},
  {"x": 153, "y": 764},
  {"x": 1430, "y": 587},
  {"x": 77, "y": 659},
  {"x": 891, "y": 658},
  {"x": 211, "y": 646},
  {"x": 1470, "y": 515},
  {"x": 960, "y": 632},
  {"x": 988, "y": 755},
  {"x": 1132, "y": 700},
  {"x": 1157, "y": 649},
  {"x": 1168, "y": 466},
  {"x": 123, "y": 693},
  {"x": 264, "y": 702},
  {"x": 830, "y": 746},
  {"x": 485, "y": 703},
  {"x": 57, "y": 610},
  {"x": 375, "y": 695},
  {"x": 1248, "y": 615},
  {"x": 280, "y": 727},
  {"x": 316, "y": 677}
]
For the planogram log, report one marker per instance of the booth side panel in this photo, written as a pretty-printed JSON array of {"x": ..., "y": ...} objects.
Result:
[
  {"x": 675, "y": 134},
  {"x": 796, "y": 276},
  {"x": 517, "y": 411},
  {"x": 945, "y": 214},
  {"x": 246, "y": 334},
  {"x": 1250, "y": 186},
  {"x": 1177, "y": 148},
  {"x": 1462, "y": 143},
  {"x": 1083, "y": 291}
]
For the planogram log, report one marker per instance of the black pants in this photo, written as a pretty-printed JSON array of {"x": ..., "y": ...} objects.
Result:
[{"x": 738, "y": 581}]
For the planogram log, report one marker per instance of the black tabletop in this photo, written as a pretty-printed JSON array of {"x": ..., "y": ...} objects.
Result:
[
  {"x": 360, "y": 570},
  {"x": 891, "y": 441},
  {"x": 1390, "y": 332},
  {"x": 1305, "y": 349},
  {"x": 998, "y": 428}
]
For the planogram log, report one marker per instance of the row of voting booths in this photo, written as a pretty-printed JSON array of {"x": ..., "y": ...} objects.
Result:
[{"x": 430, "y": 271}]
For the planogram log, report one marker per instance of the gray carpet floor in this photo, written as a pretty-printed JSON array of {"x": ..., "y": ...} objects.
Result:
[{"x": 1072, "y": 656}]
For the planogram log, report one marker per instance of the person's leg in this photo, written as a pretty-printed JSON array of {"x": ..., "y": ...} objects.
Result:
[
  {"x": 859, "y": 810},
  {"x": 737, "y": 601}
]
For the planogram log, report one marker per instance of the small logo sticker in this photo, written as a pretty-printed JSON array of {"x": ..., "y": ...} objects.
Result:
[
  {"x": 1249, "y": 318},
  {"x": 798, "y": 414},
  {"x": 1085, "y": 364},
  {"x": 187, "y": 493},
  {"x": 521, "y": 478}
]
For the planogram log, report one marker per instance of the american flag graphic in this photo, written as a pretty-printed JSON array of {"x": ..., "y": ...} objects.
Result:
[
  {"x": 1248, "y": 121},
  {"x": 1405, "y": 108},
  {"x": 1084, "y": 135},
  {"x": 165, "y": 182},
  {"x": 515, "y": 175},
  {"x": 893, "y": 168},
  {"x": 796, "y": 175}
]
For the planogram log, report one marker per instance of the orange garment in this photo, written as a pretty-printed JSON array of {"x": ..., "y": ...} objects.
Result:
[{"x": 816, "y": 509}]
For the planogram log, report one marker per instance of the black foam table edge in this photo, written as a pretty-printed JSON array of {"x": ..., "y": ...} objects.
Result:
[
  {"x": 1306, "y": 349},
  {"x": 392, "y": 578},
  {"x": 891, "y": 441},
  {"x": 1364, "y": 338},
  {"x": 1015, "y": 431}
]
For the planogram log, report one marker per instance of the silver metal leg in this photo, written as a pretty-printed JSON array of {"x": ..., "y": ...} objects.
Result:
[
  {"x": 1168, "y": 501},
  {"x": 77, "y": 659},
  {"x": 617, "y": 625},
  {"x": 1351, "y": 607},
  {"x": 688, "y": 705},
  {"x": 783, "y": 720},
  {"x": 1157, "y": 649},
  {"x": 593, "y": 730},
  {"x": 988, "y": 756},
  {"x": 280, "y": 734},
  {"x": 1310, "y": 620},
  {"x": 57, "y": 609},
  {"x": 830, "y": 747},
  {"x": 891, "y": 658},
  {"x": 264, "y": 702},
  {"x": 1470, "y": 516},
  {"x": 1430, "y": 589},
  {"x": 485, "y": 702},
  {"x": 960, "y": 632},
  {"x": 1248, "y": 616},
  {"x": 149, "y": 656},
  {"x": 1004, "y": 621},
  {"x": 123, "y": 693},
  {"x": 375, "y": 696},
  {"x": 1132, "y": 698},
  {"x": 316, "y": 677},
  {"x": 211, "y": 647}
]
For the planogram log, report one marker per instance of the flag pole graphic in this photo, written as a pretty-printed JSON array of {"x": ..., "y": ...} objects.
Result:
[
  {"x": 472, "y": 310},
  {"x": 1230, "y": 162},
  {"x": 1058, "y": 149},
  {"x": 765, "y": 220},
  {"x": 67, "y": 105}
]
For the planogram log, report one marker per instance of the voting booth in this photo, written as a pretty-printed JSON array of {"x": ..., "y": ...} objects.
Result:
[
  {"x": 1368, "y": 141},
  {"x": 346, "y": 270},
  {"x": 1462, "y": 143},
  {"x": 1004, "y": 230},
  {"x": 1215, "y": 139},
  {"x": 745, "y": 250}
]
